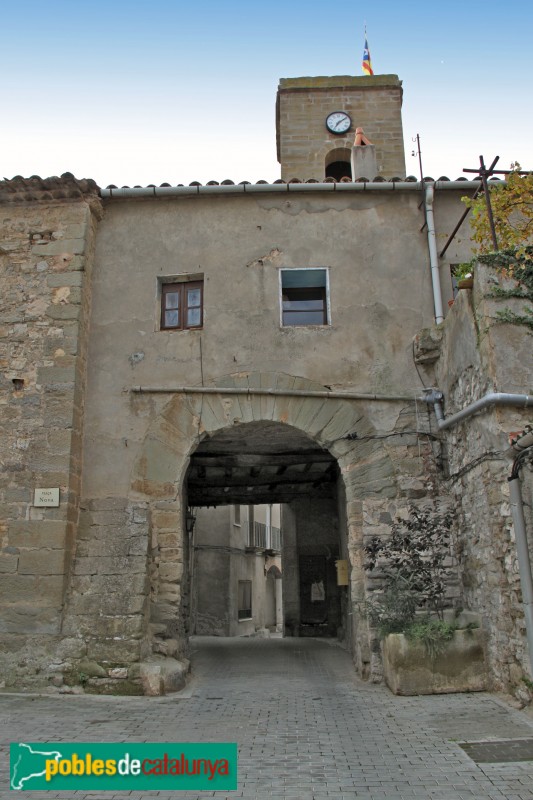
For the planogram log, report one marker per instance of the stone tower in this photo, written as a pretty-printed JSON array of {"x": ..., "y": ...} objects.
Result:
[{"x": 316, "y": 120}]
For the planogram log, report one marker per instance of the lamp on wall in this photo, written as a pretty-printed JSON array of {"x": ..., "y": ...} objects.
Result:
[{"x": 190, "y": 519}]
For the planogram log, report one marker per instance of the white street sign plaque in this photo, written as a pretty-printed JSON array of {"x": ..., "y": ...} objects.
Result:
[{"x": 46, "y": 497}]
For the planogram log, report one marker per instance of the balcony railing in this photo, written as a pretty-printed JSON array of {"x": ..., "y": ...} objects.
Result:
[
  {"x": 260, "y": 537},
  {"x": 275, "y": 535}
]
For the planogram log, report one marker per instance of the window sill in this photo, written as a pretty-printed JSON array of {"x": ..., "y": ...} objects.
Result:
[
  {"x": 179, "y": 330},
  {"x": 308, "y": 327}
]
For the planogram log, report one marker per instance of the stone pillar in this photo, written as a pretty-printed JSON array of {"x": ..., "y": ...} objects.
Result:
[
  {"x": 279, "y": 605},
  {"x": 290, "y": 571},
  {"x": 364, "y": 164}
]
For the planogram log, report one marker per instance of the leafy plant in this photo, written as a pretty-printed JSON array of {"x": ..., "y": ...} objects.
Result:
[
  {"x": 394, "y": 609},
  {"x": 512, "y": 210},
  {"x": 433, "y": 634},
  {"x": 516, "y": 264},
  {"x": 464, "y": 270},
  {"x": 412, "y": 562}
]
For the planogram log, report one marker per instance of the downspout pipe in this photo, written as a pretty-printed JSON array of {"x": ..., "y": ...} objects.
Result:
[
  {"x": 433, "y": 255},
  {"x": 490, "y": 399},
  {"x": 522, "y": 549}
]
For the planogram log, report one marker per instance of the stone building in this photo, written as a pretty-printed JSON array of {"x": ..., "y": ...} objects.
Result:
[
  {"x": 169, "y": 348},
  {"x": 236, "y": 571}
]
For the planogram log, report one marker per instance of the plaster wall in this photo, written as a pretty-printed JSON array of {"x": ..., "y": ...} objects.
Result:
[
  {"x": 380, "y": 296},
  {"x": 127, "y": 583},
  {"x": 137, "y": 445},
  {"x": 211, "y": 601},
  {"x": 221, "y": 560}
]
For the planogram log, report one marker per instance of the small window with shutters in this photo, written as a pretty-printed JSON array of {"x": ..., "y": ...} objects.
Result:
[{"x": 182, "y": 305}]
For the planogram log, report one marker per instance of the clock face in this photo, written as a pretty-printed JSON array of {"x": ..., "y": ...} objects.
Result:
[{"x": 338, "y": 122}]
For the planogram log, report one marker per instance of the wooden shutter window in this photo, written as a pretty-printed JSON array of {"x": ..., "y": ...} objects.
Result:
[{"x": 182, "y": 305}]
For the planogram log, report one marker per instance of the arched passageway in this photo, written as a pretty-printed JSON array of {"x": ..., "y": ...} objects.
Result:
[
  {"x": 253, "y": 438},
  {"x": 251, "y": 466}
]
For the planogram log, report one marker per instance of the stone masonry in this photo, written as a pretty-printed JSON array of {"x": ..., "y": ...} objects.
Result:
[
  {"x": 373, "y": 103},
  {"x": 45, "y": 260},
  {"x": 479, "y": 354}
]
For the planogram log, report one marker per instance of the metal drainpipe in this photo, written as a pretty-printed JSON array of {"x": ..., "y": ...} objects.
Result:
[
  {"x": 252, "y": 391},
  {"x": 522, "y": 549},
  {"x": 490, "y": 399},
  {"x": 433, "y": 255}
]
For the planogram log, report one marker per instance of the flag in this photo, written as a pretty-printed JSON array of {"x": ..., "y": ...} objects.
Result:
[{"x": 367, "y": 64}]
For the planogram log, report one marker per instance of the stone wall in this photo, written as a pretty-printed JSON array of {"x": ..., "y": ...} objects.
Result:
[
  {"x": 46, "y": 256},
  {"x": 479, "y": 354}
]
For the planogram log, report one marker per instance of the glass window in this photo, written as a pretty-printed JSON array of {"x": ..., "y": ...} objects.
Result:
[
  {"x": 304, "y": 297},
  {"x": 182, "y": 305}
]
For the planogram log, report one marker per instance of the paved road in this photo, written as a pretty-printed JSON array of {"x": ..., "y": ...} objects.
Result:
[{"x": 307, "y": 728}]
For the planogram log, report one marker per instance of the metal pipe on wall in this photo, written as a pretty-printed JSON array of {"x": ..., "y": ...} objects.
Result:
[
  {"x": 490, "y": 399},
  {"x": 522, "y": 551},
  {"x": 433, "y": 255},
  {"x": 275, "y": 393}
]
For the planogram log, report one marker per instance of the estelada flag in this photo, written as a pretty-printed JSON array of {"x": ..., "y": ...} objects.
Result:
[{"x": 367, "y": 64}]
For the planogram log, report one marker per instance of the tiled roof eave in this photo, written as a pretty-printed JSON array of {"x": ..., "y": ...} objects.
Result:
[
  {"x": 280, "y": 187},
  {"x": 37, "y": 189}
]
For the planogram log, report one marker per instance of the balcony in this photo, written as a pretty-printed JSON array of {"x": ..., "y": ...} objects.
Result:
[{"x": 261, "y": 537}]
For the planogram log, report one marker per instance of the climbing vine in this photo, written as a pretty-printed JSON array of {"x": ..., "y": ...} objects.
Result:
[
  {"x": 516, "y": 264},
  {"x": 512, "y": 210}
]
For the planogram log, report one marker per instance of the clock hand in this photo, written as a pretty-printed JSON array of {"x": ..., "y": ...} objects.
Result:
[{"x": 340, "y": 122}]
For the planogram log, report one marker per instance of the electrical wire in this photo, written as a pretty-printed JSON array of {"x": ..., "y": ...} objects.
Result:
[
  {"x": 517, "y": 463},
  {"x": 416, "y": 365},
  {"x": 354, "y": 437},
  {"x": 492, "y": 455}
]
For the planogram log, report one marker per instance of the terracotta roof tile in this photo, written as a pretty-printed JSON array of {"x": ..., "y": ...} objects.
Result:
[{"x": 65, "y": 187}]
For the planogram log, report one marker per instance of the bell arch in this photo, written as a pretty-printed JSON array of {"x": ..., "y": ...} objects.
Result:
[{"x": 337, "y": 163}]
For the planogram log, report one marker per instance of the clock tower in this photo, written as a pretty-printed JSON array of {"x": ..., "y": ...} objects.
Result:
[{"x": 316, "y": 120}]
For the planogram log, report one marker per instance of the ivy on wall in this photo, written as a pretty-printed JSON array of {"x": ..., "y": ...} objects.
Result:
[{"x": 519, "y": 266}]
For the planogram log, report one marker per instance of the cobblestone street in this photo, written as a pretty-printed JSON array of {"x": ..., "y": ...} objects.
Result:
[{"x": 306, "y": 726}]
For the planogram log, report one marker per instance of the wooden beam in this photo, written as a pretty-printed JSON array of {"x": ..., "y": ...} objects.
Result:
[
  {"x": 259, "y": 459},
  {"x": 290, "y": 479},
  {"x": 217, "y": 497}
]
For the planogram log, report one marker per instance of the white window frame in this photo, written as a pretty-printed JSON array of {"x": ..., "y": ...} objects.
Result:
[{"x": 327, "y": 324}]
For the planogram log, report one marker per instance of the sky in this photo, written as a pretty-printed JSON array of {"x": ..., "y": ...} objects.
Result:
[{"x": 166, "y": 91}]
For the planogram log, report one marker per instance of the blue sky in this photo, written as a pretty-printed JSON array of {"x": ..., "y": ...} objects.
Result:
[{"x": 168, "y": 91}]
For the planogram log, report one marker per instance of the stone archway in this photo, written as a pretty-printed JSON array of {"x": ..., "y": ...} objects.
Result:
[
  {"x": 365, "y": 468},
  {"x": 337, "y": 163}
]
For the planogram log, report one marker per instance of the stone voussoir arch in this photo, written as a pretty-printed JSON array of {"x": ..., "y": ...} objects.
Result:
[{"x": 187, "y": 418}]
